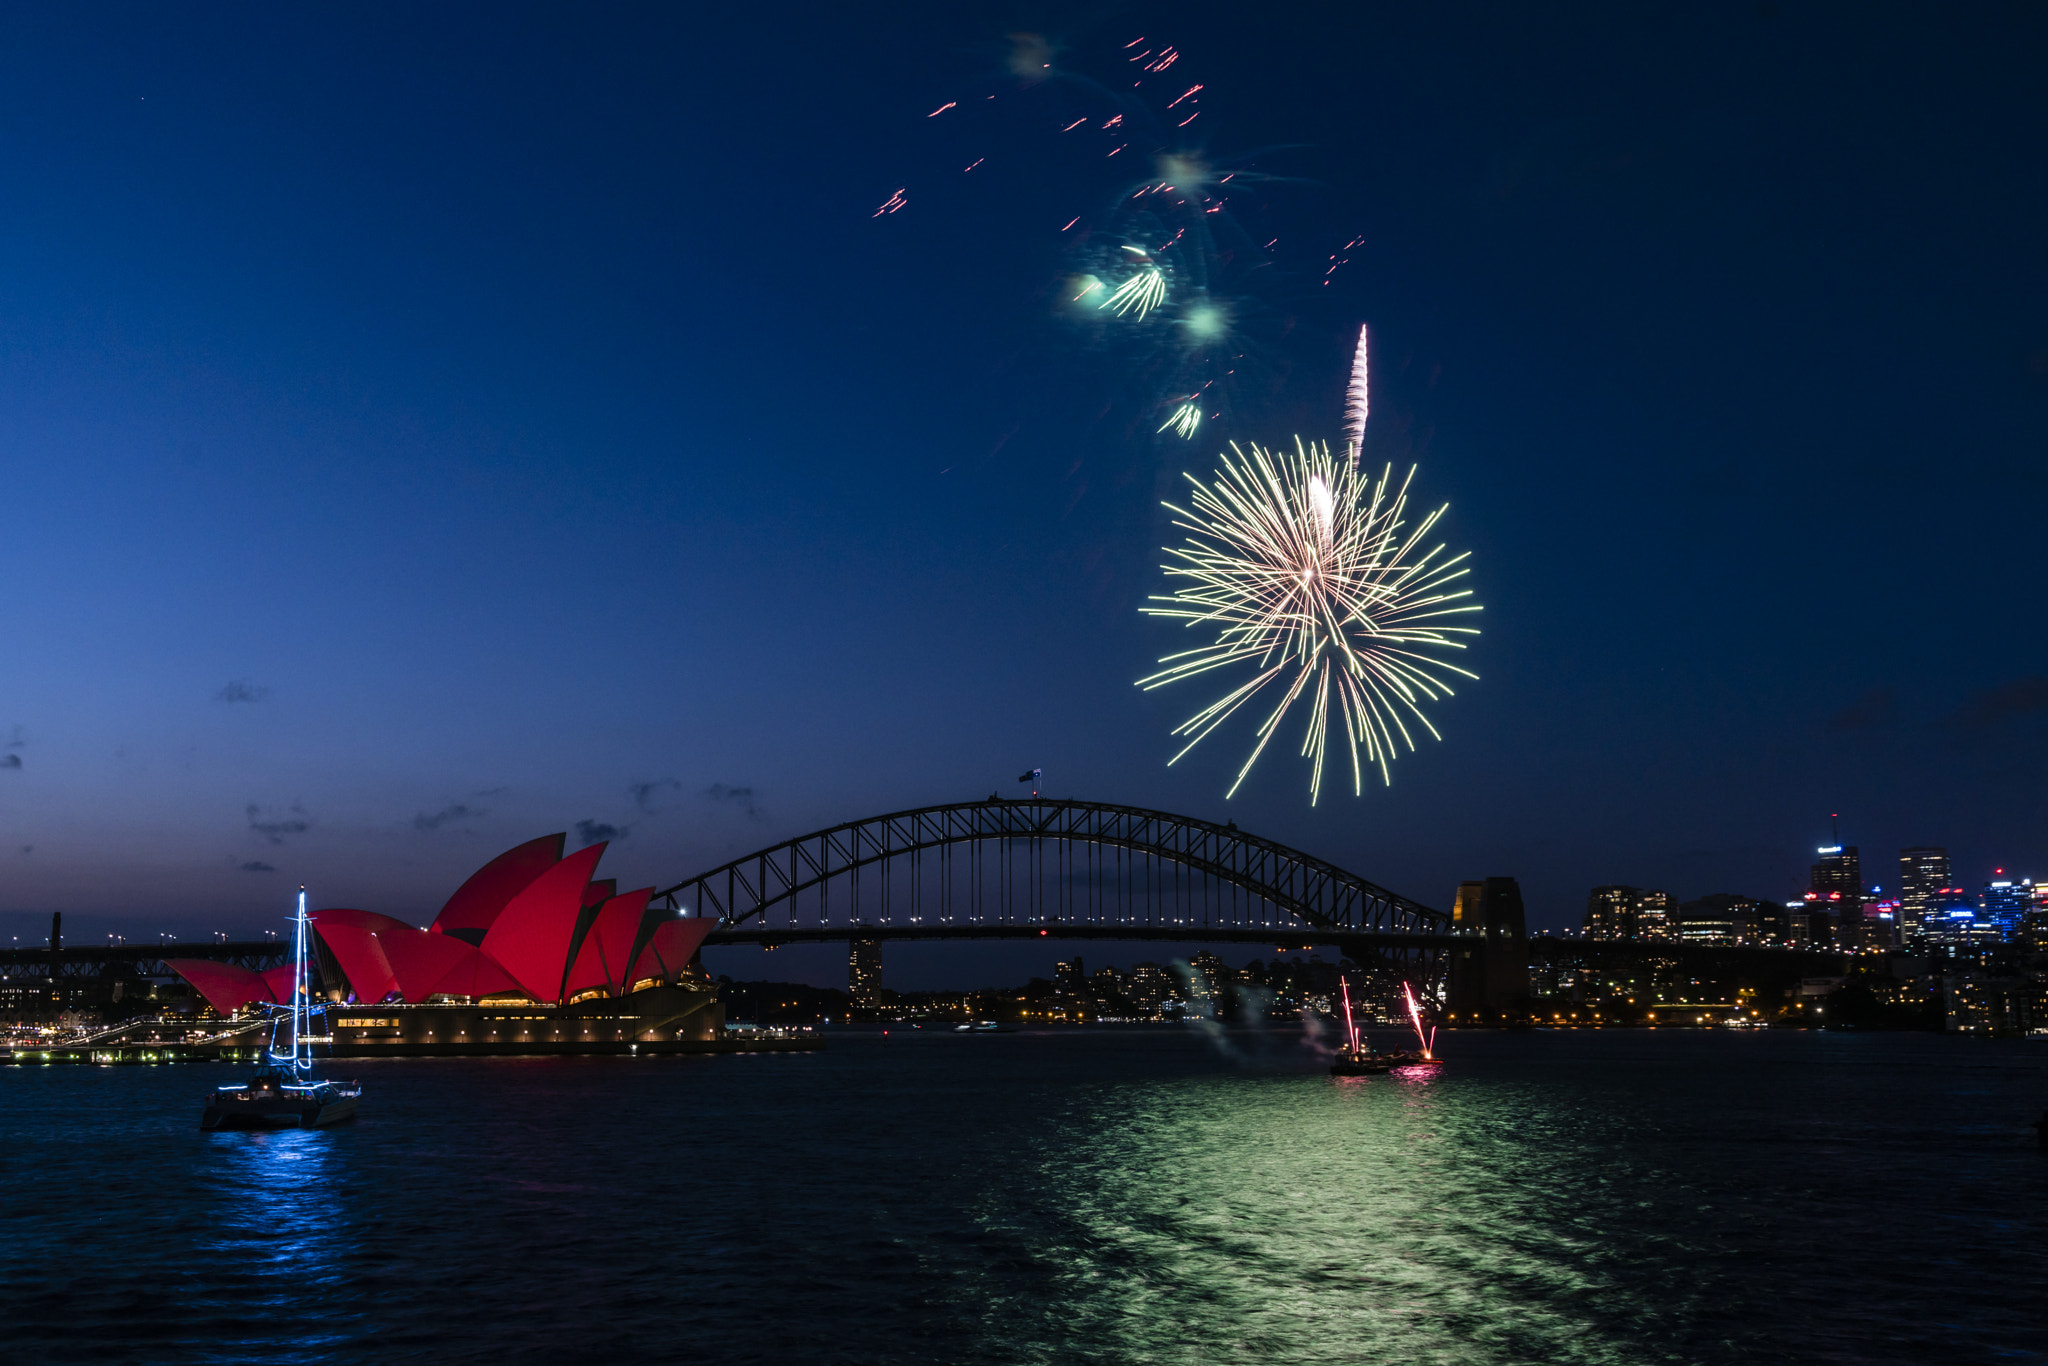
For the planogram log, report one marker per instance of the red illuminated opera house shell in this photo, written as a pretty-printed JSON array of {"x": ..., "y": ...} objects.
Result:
[{"x": 530, "y": 923}]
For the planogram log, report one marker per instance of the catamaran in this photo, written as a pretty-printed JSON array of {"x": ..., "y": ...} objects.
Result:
[{"x": 283, "y": 1093}]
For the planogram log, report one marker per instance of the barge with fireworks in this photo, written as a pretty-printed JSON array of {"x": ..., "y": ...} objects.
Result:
[{"x": 1358, "y": 1058}]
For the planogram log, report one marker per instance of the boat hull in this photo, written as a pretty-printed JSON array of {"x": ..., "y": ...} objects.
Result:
[{"x": 273, "y": 1111}]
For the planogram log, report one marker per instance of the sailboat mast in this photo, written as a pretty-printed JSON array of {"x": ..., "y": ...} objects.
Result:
[{"x": 302, "y": 1060}]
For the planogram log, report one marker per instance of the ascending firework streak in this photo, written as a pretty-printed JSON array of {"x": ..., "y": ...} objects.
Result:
[
  {"x": 1357, "y": 401},
  {"x": 1426, "y": 1042},
  {"x": 1309, "y": 572}
]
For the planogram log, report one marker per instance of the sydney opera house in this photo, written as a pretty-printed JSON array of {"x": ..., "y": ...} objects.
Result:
[{"x": 531, "y": 955}]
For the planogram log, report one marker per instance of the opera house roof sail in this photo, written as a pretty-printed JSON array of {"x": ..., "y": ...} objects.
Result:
[{"x": 531, "y": 924}]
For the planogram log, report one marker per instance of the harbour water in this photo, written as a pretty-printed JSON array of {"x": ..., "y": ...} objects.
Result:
[{"x": 1132, "y": 1195}]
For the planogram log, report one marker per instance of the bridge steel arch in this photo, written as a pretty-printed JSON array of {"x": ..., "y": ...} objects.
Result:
[{"x": 1060, "y": 868}]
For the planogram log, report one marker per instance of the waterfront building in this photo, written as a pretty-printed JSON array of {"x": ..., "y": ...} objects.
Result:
[
  {"x": 531, "y": 949},
  {"x": 1923, "y": 872},
  {"x": 1069, "y": 976},
  {"x": 1150, "y": 987},
  {"x": 864, "y": 974},
  {"x": 1981, "y": 1003},
  {"x": 1209, "y": 978}
]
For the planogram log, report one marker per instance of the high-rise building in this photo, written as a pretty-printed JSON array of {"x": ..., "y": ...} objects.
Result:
[
  {"x": 1923, "y": 872},
  {"x": 1611, "y": 913},
  {"x": 1150, "y": 984},
  {"x": 864, "y": 974},
  {"x": 1208, "y": 978},
  {"x": 1774, "y": 922},
  {"x": 1869, "y": 924},
  {"x": 1959, "y": 923},
  {"x": 1839, "y": 874},
  {"x": 2004, "y": 902},
  {"x": 1627, "y": 913},
  {"x": 1798, "y": 926},
  {"x": 1656, "y": 915},
  {"x": 1070, "y": 975},
  {"x": 2034, "y": 927}
]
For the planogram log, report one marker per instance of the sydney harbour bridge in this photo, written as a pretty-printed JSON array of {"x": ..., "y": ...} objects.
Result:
[{"x": 1023, "y": 868}]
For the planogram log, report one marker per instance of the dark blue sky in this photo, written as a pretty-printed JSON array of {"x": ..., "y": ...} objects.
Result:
[{"x": 523, "y": 411}]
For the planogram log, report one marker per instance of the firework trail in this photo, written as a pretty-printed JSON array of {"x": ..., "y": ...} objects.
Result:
[
  {"x": 1357, "y": 401},
  {"x": 1308, "y": 572},
  {"x": 1185, "y": 419},
  {"x": 1166, "y": 296},
  {"x": 1142, "y": 293}
]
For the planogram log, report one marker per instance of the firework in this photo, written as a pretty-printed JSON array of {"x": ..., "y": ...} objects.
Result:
[
  {"x": 1308, "y": 572},
  {"x": 1185, "y": 419},
  {"x": 1357, "y": 401},
  {"x": 1143, "y": 292}
]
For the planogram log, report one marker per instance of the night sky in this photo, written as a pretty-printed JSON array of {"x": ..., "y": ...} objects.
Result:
[{"x": 428, "y": 427}]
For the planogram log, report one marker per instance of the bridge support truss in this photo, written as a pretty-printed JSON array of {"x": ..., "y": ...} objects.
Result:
[{"x": 1053, "y": 868}]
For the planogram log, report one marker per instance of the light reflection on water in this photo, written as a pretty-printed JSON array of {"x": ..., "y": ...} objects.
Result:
[
  {"x": 276, "y": 1247},
  {"x": 1114, "y": 1197},
  {"x": 1266, "y": 1220}
]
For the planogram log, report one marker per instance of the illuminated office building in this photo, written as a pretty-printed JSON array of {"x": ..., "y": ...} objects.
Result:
[
  {"x": 2034, "y": 928},
  {"x": 1611, "y": 913},
  {"x": 864, "y": 974},
  {"x": 2004, "y": 902},
  {"x": 1839, "y": 874},
  {"x": 1657, "y": 915},
  {"x": 1630, "y": 913},
  {"x": 1923, "y": 872}
]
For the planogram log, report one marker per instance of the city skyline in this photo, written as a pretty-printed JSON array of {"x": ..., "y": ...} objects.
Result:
[{"x": 417, "y": 446}]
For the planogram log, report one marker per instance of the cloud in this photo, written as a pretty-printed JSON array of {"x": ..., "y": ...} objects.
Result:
[
  {"x": 590, "y": 832},
  {"x": 296, "y": 823},
  {"x": 10, "y": 761},
  {"x": 241, "y": 692},
  {"x": 643, "y": 794},
  {"x": 254, "y": 866},
  {"x": 732, "y": 795},
  {"x": 8, "y": 758},
  {"x": 426, "y": 824},
  {"x": 2006, "y": 702},
  {"x": 27, "y": 849},
  {"x": 1868, "y": 712}
]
